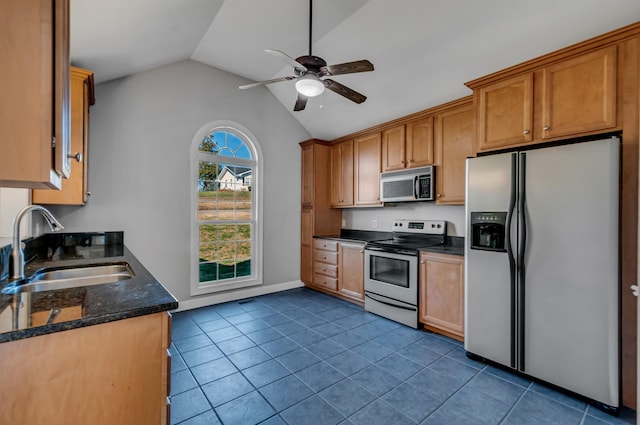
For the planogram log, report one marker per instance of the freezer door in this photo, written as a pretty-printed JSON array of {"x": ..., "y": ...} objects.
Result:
[
  {"x": 488, "y": 296},
  {"x": 571, "y": 274}
]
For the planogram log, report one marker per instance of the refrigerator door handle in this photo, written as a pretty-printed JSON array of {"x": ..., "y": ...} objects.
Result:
[
  {"x": 522, "y": 244},
  {"x": 510, "y": 255}
]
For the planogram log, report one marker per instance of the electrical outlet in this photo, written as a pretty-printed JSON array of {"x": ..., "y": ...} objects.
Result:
[
  {"x": 374, "y": 224},
  {"x": 344, "y": 223}
]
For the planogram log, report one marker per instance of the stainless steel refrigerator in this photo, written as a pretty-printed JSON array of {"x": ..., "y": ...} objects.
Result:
[{"x": 541, "y": 265}]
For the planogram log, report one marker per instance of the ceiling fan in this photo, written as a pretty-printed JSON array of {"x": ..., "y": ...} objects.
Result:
[{"x": 309, "y": 71}]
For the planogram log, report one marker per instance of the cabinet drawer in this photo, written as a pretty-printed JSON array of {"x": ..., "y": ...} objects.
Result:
[
  {"x": 325, "y": 245},
  {"x": 325, "y": 282},
  {"x": 326, "y": 269},
  {"x": 325, "y": 257}
]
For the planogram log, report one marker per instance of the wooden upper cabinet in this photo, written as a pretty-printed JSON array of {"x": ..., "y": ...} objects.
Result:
[
  {"x": 393, "y": 149},
  {"x": 419, "y": 144},
  {"x": 342, "y": 174},
  {"x": 455, "y": 135},
  {"x": 75, "y": 189},
  {"x": 307, "y": 176},
  {"x": 408, "y": 145},
  {"x": 367, "y": 155},
  {"x": 34, "y": 110},
  {"x": 579, "y": 95},
  {"x": 505, "y": 113}
]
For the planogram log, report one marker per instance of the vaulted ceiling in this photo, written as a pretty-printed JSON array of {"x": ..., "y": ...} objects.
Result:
[{"x": 423, "y": 50}]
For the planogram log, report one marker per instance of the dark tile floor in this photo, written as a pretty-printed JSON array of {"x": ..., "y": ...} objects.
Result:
[{"x": 301, "y": 357}]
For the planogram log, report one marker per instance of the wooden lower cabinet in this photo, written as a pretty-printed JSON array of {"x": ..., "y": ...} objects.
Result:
[
  {"x": 325, "y": 264},
  {"x": 441, "y": 299},
  {"x": 351, "y": 274},
  {"x": 111, "y": 373},
  {"x": 338, "y": 269}
]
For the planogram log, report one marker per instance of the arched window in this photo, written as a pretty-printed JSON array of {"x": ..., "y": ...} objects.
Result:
[{"x": 226, "y": 235}]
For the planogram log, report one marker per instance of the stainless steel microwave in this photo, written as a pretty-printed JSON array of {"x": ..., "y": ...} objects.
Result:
[{"x": 413, "y": 184}]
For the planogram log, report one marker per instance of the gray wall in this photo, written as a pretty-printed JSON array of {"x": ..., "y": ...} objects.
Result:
[{"x": 141, "y": 129}]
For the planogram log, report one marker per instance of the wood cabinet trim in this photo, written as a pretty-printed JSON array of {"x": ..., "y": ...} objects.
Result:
[
  {"x": 404, "y": 119},
  {"x": 595, "y": 43}
]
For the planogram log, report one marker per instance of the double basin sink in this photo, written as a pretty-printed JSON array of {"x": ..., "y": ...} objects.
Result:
[{"x": 62, "y": 278}]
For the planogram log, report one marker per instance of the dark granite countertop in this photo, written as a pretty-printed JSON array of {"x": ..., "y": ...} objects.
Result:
[
  {"x": 454, "y": 245},
  {"x": 83, "y": 306}
]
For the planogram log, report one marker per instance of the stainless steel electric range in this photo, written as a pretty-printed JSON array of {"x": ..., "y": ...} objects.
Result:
[{"x": 391, "y": 269}]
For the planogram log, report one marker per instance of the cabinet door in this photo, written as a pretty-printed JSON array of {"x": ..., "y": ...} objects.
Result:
[
  {"x": 393, "y": 145},
  {"x": 111, "y": 373},
  {"x": 579, "y": 95},
  {"x": 442, "y": 293},
  {"x": 306, "y": 246},
  {"x": 420, "y": 142},
  {"x": 33, "y": 108},
  {"x": 342, "y": 174},
  {"x": 74, "y": 190},
  {"x": 455, "y": 132},
  {"x": 351, "y": 270},
  {"x": 62, "y": 89},
  {"x": 307, "y": 176},
  {"x": 367, "y": 151},
  {"x": 505, "y": 113}
]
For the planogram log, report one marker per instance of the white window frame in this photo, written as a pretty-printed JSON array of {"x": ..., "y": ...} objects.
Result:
[{"x": 251, "y": 142}]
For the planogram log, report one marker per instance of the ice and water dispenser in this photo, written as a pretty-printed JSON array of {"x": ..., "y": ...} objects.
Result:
[{"x": 488, "y": 230}]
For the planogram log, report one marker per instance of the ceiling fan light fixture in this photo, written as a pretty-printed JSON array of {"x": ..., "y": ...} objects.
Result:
[{"x": 309, "y": 85}]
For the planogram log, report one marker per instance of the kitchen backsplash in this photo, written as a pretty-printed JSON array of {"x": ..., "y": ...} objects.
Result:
[{"x": 381, "y": 219}]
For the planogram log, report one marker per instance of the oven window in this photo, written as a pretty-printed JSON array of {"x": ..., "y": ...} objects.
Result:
[{"x": 389, "y": 270}]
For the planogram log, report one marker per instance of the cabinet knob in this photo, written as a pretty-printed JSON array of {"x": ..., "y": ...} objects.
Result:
[
  {"x": 411, "y": 160},
  {"x": 438, "y": 195},
  {"x": 421, "y": 261},
  {"x": 77, "y": 156},
  {"x": 324, "y": 257},
  {"x": 88, "y": 193},
  {"x": 401, "y": 162},
  {"x": 546, "y": 127},
  {"x": 525, "y": 132}
]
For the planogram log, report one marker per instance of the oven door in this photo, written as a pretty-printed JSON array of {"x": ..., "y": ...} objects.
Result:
[{"x": 391, "y": 275}]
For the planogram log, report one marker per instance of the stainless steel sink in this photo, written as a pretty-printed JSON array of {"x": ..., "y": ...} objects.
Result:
[{"x": 62, "y": 278}]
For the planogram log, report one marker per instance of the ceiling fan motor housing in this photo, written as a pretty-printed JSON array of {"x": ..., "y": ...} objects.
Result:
[{"x": 313, "y": 63}]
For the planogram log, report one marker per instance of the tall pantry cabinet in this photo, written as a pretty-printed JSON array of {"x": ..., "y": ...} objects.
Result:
[{"x": 317, "y": 216}]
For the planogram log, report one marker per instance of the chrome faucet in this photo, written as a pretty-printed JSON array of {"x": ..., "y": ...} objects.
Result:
[{"x": 16, "y": 262}]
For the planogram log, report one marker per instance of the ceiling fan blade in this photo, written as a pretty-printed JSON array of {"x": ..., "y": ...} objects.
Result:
[
  {"x": 288, "y": 59},
  {"x": 259, "y": 83},
  {"x": 347, "y": 68},
  {"x": 301, "y": 102},
  {"x": 345, "y": 91}
]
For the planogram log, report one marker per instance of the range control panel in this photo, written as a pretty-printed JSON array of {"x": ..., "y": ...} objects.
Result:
[{"x": 425, "y": 227}]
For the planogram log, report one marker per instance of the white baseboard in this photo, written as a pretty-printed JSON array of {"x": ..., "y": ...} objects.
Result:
[{"x": 236, "y": 295}]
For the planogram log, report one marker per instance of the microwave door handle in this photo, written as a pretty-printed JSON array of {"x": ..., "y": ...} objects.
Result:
[{"x": 416, "y": 187}]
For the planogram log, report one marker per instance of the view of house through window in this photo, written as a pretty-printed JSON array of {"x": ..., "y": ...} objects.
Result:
[{"x": 226, "y": 209}]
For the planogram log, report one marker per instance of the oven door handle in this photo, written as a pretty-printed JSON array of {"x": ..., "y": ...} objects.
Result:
[
  {"x": 368, "y": 295},
  {"x": 391, "y": 250}
]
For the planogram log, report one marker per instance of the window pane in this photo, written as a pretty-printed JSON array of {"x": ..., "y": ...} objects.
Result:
[{"x": 225, "y": 197}]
